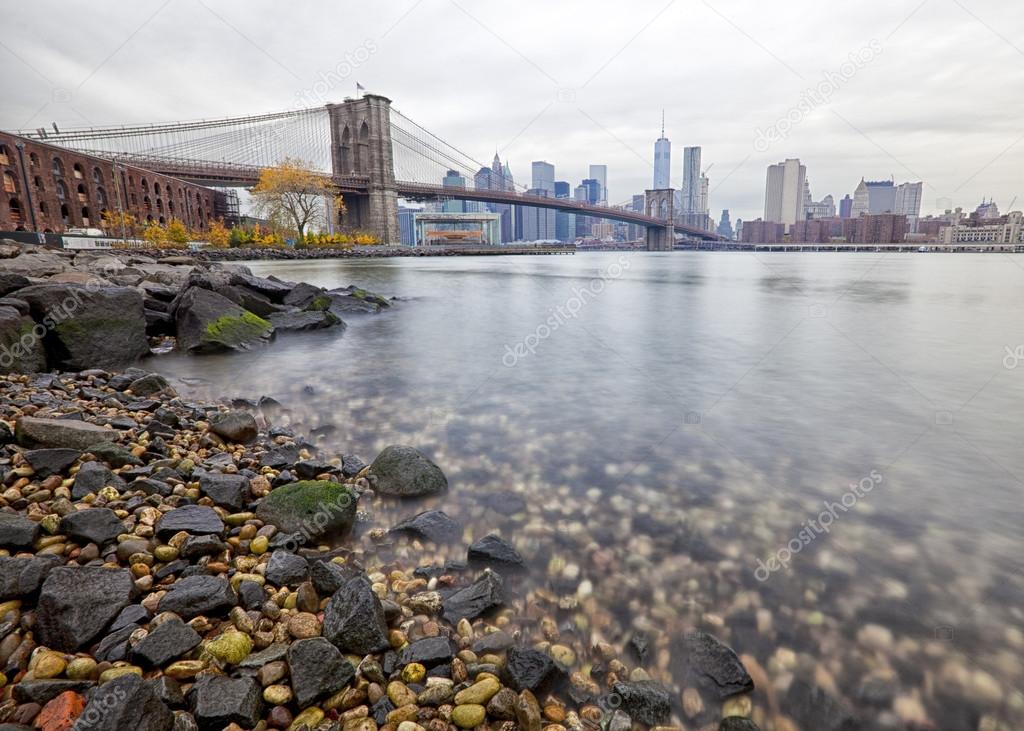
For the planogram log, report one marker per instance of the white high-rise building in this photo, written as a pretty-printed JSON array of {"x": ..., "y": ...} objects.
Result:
[
  {"x": 784, "y": 192},
  {"x": 662, "y": 160},
  {"x": 544, "y": 176},
  {"x": 691, "y": 186},
  {"x": 600, "y": 174}
]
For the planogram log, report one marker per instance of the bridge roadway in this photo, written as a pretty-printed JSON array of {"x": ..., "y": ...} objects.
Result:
[{"x": 204, "y": 172}]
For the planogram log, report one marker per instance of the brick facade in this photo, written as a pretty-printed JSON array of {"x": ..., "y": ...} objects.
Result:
[{"x": 48, "y": 188}]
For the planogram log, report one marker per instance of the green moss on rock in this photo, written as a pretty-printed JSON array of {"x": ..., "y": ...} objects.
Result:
[
  {"x": 310, "y": 507},
  {"x": 236, "y": 329}
]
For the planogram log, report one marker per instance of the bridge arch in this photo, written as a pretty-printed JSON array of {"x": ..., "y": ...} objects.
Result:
[
  {"x": 345, "y": 150},
  {"x": 363, "y": 164}
]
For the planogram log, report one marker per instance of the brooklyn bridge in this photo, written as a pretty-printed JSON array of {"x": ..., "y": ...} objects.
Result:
[{"x": 373, "y": 154}]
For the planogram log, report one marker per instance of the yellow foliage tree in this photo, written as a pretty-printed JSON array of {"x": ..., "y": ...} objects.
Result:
[
  {"x": 218, "y": 234},
  {"x": 177, "y": 232},
  {"x": 119, "y": 223},
  {"x": 155, "y": 234},
  {"x": 293, "y": 195}
]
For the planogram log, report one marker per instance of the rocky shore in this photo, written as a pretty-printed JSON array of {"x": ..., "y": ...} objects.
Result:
[
  {"x": 74, "y": 310},
  {"x": 361, "y": 252},
  {"x": 176, "y": 565}
]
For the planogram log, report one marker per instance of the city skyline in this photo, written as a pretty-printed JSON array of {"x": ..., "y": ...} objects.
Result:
[{"x": 750, "y": 81}]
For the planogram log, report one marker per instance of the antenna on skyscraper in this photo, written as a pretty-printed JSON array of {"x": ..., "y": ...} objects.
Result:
[{"x": 663, "y": 123}]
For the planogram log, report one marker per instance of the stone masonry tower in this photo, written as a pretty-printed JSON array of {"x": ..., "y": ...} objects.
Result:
[
  {"x": 660, "y": 203},
  {"x": 361, "y": 145}
]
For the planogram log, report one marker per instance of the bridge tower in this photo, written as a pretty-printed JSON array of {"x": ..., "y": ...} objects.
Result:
[
  {"x": 660, "y": 203},
  {"x": 361, "y": 145}
]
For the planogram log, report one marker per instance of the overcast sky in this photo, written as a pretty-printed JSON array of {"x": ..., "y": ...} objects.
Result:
[{"x": 930, "y": 91}]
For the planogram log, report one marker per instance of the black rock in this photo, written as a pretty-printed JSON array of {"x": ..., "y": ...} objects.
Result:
[
  {"x": 194, "y": 595},
  {"x": 76, "y": 603},
  {"x": 227, "y": 491},
  {"x": 43, "y": 691},
  {"x": 328, "y": 576},
  {"x": 92, "y": 525},
  {"x": 493, "y": 642},
  {"x": 114, "y": 645},
  {"x": 48, "y": 462},
  {"x": 195, "y": 547},
  {"x": 317, "y": 669},
  {"x": 273, "y": 653},
  {"x": 354, "y": 619},
  {"x": 150, "y": 385},
  {"x": 432, "y": 525},
  {"x": 172, "y": 639},
  {"x": 645, "y": 701},
  {"x": 297, "y": 321},
  {"x": 284, "y": 456},
  {"x": 285, "y": 568},
  {"x": 127, "y": 702},
  {"x": 208, "y": 322},
  {"x": 307, "y": 469},
  {"x": 132, "y": 615},
  {"x": 113, "y": 454},
  {"x": 639, "y": 644},
  {"x": 194, "y": 519},
  {"x": 93, "y": 477},
  {"x": 251, "y": 595},
  {"x": 17, "y": 531},
  {"x": 218, "y": 701},
  {"x": 151, "y": 486},
  {"x": 235, "y": 426},
  {"x": 167, "y": 690},
  {"x": 380, "y": 710},
  {"x": 403, "y": 471},
  {"x": 351, "y": 465},
  {"x": 483, "y": 595},
  {"x": 429, "y": 652},
  {"x": 174, "y": 567},
  {"x": 715, "y": 665},
  {"x": 302, "y": 294},
  {"x": 491, "y": 550},
  {"x": 529, "y": 669},
  {"x": 22, "y": 576}
]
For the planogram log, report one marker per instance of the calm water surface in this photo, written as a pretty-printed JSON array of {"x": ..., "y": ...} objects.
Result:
[{"x": 652, "y": 429}]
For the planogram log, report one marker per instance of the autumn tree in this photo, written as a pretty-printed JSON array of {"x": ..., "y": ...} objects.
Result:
[
  {"x": 218, "y": 235},
  {"x": 177, "y": 232},
  {"x": 293, "y": 195}
]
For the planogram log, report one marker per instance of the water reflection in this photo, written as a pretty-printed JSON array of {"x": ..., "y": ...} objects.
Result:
[{"x": 686, "y": 422}]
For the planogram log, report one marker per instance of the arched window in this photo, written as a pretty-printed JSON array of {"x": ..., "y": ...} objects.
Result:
[
  {"x": 156, "y": 189},
  {"x": 42, "y": 207},
  {"x": 9, "y": 184},
  {"x": 134, "y": 199},
  {"x": 170, "y": 207},
  {"x": 39, "y": 184},
  {"x": 15, "y": 211},
  {"x": 58, "y": 167},
  {"x": 97, "y": 176},
  {"x": 161, "y": 221},
  {"x": 65, "y": 215},
  {"x": 159, "y": 206},
  {"x": 82, "y": 197},
  {"x": 79, "y": 175},
  {"x": 145, "y": 186},
  {"x": 85, "y": 216},
  {"x": 346, "y": 151},
  {"x": 62, "y": 190},
  {"x": 149, "y": 218},
  {"x": 33, "y": 159},
  {"x": 147, "y": 203},
  {"x": 364, "y": 149},
  {"x": 101, "y": 196},
  {"x": 4, "y": 160}
]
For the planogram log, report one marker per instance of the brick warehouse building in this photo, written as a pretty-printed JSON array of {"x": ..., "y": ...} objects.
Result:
[{"x": 50, "y": 189}]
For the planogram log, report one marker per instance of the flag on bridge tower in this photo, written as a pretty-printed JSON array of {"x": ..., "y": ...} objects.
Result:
[{"x": 359, "y": 89}]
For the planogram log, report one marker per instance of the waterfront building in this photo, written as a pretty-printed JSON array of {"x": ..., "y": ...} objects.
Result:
[
  {"x": 846, "y": 206},
  {"x": 784, "y": 192},
  {"x": 762, "y": 232}
]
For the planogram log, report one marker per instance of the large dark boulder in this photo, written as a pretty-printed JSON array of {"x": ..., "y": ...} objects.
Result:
[
  {"x": 492, "y": 550},
  {"x": 354, "y": 619},
  {"x": 76, "y": 603},
  {"x": 532, "y": 670},
  {"x": 10, "y": 282},
  {"x": 195, "y": 519},
  {"x": 431, "y": 525},
  {"x": 93, "y": 477},
  {"x": 713, "y": 665},
  {"x": 21, "y": 351},
  {"x": 273, "y": 289},
  {"x": 208, "y": 322},
  {"x": 92, "y": 525},
  {"x": 302, "y": 294},
  {"x": 93, "y": 327},
  {"x": 229, "y": 491},
  {"x": 404, "y": 472},
  {"x": 172, "y": 639},
  {"x": 235, "y": 426},
  {"x": 23, "y": 575},
  {"x": 286, "y": 569},
  {"x": 310, "y": 507},
  {"x": 48, "y": 462},
  {"x": 285, "y": 321},
  {"x": 429, "y": 652},
  {"x": 645, "y": 701},
  {"x": 317, "y": 669},
  {"x": 247, "y": 299}
]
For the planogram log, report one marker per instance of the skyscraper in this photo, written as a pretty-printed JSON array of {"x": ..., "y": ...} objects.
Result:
[
  {"x": 846, "y": 206},
  {"x": 544, "y": 176},
  {"x": 724, "y": 226},
  {"x": 662, "y": 160},
  {"x": 874, "y": 196},
  {"x": 453, "y": 179},
  {"x": 600, "y": 174},
  {"x": 784, "y": 192},
  {"x": 691, "y": 187}
]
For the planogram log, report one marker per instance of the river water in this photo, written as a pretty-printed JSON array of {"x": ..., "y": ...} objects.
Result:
[{"x": 815, "y": 457}]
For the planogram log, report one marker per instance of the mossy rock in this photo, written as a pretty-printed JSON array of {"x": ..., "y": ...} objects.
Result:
[
  {"x": 208, "y": 322},
  {"x": 310, "y": 507}
]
